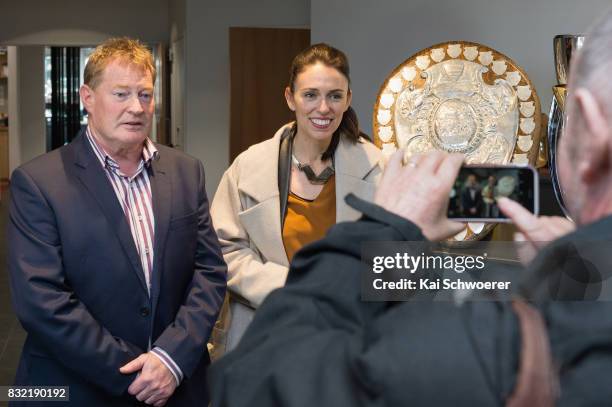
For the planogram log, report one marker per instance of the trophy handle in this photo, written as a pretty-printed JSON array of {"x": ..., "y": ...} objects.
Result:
[
  {"x": 559, "y": 93},
  {"x": 542, "y": 160},
  {"x": 555, "y": 129}
]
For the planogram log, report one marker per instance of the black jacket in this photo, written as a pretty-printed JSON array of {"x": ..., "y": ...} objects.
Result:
[{"x": 315, "y": 343}]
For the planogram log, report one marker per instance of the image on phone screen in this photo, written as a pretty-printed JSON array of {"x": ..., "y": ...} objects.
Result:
[{"x": 477, "y": 189}]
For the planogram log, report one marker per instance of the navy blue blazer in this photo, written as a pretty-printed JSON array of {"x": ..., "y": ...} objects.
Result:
[{"x": 78, "y": 286}]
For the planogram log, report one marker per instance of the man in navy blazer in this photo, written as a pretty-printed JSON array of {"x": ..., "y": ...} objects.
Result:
[{"x": 115, "y": 269}]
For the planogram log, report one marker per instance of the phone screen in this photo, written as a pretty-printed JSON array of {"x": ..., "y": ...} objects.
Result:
[{"x": 477, "y": 188}]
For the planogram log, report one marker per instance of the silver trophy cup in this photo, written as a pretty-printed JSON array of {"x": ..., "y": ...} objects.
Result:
[{"x": 565, "y": 47}]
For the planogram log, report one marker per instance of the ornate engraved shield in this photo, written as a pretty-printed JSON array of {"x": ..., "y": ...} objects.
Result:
[{"x": 460, "y": 97}]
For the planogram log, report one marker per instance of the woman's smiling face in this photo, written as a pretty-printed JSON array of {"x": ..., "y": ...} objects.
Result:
[{"x": 320, "y": 97}]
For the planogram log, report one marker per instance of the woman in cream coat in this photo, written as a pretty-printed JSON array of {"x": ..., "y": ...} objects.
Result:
[{"x": 251, "y": 203}]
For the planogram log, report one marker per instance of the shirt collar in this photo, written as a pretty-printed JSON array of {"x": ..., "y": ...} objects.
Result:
[{"x": 149, "y": 152}]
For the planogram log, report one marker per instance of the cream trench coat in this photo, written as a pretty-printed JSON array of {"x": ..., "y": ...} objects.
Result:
[{"x": 246, "y": 216}]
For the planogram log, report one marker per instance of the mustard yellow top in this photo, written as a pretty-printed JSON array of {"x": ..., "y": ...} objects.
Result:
[{"x": 309, "y": 220}]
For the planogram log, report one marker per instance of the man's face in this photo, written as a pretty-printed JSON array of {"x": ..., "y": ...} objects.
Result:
[
  {"x": 121, "y": 106},
  {"x": 471, "y": 181}
]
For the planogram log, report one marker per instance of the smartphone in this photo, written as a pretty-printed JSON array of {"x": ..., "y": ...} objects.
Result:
[{"x": 477, "y": 188}]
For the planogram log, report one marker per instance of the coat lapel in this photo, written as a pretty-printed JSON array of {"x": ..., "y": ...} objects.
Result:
[
  {"x": 92, "y": 176},
  {"x": 259, "y": 182},
  {"x": 161, "y": 190},
  {"x": 266, "y": 237}
]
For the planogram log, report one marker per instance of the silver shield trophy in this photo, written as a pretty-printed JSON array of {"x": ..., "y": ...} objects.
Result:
[{"x": 464, "y": 97}]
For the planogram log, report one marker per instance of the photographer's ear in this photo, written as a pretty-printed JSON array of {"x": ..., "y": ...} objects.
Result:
[{"x": 597, "y": 140}]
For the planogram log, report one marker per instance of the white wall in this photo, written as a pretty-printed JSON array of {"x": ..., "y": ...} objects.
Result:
[
  {"x": 32, "y": 102},
  {"x": 379, "y": 35},
  {"x": 13, "y": 109},
  {"x": 176, "y": 17},
  {"x": 177, "y": 72},
  {"x": 26, "y": 104},
  {"x": 207, "y": 85},
  {"x": 81, "y": 22}
]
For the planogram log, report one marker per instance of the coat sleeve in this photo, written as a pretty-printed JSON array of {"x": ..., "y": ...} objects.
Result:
[
  {"x": 44, "y": 301},
  {"x": 185, "y": 339},
  {"x": 249, "y": 276},
  {"x": 307, "y": 343}
]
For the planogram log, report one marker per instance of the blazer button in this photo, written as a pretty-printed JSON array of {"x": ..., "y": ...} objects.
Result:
[{"x": 144, "y": 311}]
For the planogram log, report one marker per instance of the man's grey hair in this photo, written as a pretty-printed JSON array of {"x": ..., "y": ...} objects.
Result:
[{"x": 594, "y": 62}]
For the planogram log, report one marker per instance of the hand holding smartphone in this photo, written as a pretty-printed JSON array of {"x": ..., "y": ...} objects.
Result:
[{"x": 477, "y": 189}]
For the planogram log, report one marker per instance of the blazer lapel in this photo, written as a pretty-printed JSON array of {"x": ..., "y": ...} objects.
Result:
[
  {"x": 92, "y": 176},
  {"x": 161, "y": 190}
]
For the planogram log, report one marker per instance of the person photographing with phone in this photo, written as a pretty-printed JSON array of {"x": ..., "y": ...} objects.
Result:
[{"x": 315, "y": 342}]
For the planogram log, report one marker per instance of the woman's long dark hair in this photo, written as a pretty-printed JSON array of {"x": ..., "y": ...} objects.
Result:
[{"x": 333, "y": 58}]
